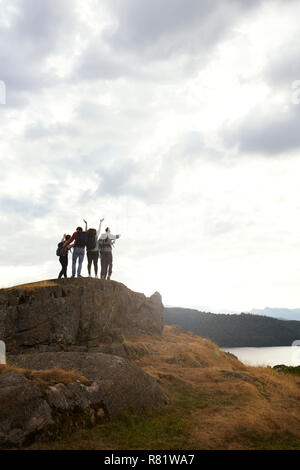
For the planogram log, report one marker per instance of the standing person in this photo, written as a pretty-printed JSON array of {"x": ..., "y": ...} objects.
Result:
[
  {"x": 92, "y": 248},
  {"x": 78, "y": 253},
  {"x": 63, "y": 255},
  {"x": 106, "y": 241}
]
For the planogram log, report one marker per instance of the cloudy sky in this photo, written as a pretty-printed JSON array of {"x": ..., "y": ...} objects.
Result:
[{"x": 177, "y": 121}]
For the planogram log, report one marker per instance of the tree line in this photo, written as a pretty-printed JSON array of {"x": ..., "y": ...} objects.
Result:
[{"x": 235, "y": 330}]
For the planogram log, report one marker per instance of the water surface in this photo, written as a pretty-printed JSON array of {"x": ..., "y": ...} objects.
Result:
[{"x": 288, "y": 355}]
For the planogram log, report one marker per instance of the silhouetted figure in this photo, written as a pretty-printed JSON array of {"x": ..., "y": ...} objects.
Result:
[
  {"x": 63, "y": 252},
  {"x": 92, "y": 248},
  {"x": 106, "y": 241},
  {"x": 78, "y": 253}
]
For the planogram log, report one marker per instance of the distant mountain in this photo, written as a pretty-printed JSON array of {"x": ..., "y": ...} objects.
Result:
[
  {"x": 245, "y": 329},
  {"x": 281, "y": 313}
]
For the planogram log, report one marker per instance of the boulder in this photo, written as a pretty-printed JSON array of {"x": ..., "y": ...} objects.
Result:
[
  {"x": 23, "y": 410},
  {"x": 123, "y": 383},
  {"x": 75, "y": 314},
  {"x": 29, "y": 410}
]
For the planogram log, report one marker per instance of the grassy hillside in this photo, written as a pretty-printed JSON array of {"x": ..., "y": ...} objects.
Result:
[
  {"x": 235, "y": 330},
  {"x": 215, "y": 402}
]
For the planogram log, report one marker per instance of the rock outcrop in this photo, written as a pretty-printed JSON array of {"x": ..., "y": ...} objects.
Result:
[
  {"x": 29, "y": 410},
  {"x": 74, "y": 314},
  {"x": 123, "y": 384},
  {"x": 62, "y": 325}
]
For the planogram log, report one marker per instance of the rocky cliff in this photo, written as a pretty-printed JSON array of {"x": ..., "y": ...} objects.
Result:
[
  {"x": 55, "y": 329},
  {"x": 74, "y": 314}
]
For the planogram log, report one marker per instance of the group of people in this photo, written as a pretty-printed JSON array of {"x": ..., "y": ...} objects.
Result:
[{"x": 97, "y": 246}]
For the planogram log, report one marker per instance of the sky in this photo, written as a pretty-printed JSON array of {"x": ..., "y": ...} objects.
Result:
[{"x": 176, "y": 121}]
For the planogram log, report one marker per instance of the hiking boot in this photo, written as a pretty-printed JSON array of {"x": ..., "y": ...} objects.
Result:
[
  {"x": 108, "y": 278},
  {"x": 102, "y": 277},
  {"x": 79, "y": 275}
]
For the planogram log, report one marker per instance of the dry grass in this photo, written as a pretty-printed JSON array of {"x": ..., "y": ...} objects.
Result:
[
  {"x": 246, "y": 407},
  {"x": 45, "y": 378},
  {"x": 32, "y": 285},
  {"x": 216, "y": 402}
]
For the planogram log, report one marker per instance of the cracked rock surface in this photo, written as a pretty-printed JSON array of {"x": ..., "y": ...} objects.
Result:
[
  {"x": 28, "y": 410},
  {"x": 75, "y": 314}
]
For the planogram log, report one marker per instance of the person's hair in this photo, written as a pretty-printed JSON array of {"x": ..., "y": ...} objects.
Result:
[
  {"x": 67, "y": 237},
  {"x": 107, "y": 229},
  {"x": 91, "y": 233},
  {"x": 79, "y": 229}
]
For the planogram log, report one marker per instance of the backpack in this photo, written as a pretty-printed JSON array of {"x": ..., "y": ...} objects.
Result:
[
  {"x": 60, "y": 250},
  {"x": 81, "y": 239},
  {"x": 104, "y": 242}
]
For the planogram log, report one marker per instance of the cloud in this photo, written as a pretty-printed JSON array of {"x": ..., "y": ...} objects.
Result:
[
  {"x": 172, "y": 27},
  {"x": 268, "y": 134},
  {"x": 37, "y": 207},
  {"x": 193, "y": 147},
  {"x": 100, "y": 63},
  {"x": 23, "y": 207},
  {"x": 120, "y": 112},
  {"x": 31, "y": 33},
  {"x": 283, "y": 67},
  {"x": 142, "y": 35},
  {"x": 40, "y": 130}
]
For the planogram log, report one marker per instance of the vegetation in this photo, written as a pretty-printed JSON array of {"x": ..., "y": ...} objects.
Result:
[
  {"x": 215, "y": 402},
  {"x": 31, "y": 286},
  {"x": 235, "y": 330},
  {"x": 288, "y": 369},
  {"x": 45, "y": 378}
]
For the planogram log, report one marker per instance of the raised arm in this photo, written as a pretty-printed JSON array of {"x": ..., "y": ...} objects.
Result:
[
  {"x": 70, "y": 240},
  {"x": 63, "y": 238},
  {"x": 86, "y": 225},
  {"x": 99, "y": 228}
]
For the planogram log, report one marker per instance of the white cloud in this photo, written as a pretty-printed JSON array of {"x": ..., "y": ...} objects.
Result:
[{"x": 120, "y": 110}]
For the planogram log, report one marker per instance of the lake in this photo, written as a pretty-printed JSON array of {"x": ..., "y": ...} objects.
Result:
[{"x": 288, "y": 355}]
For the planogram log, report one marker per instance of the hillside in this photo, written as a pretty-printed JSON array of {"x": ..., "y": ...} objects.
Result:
[
  {"x": 215, "y": 402},
  {"x": 228, "y": 330},
  {"x": 90, "y": 366}
]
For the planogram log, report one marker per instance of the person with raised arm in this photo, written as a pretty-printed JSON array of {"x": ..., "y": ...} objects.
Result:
[
  {"x": 63, "y": 255},
  {"x": 106, "y": 241},
  {"x": 92, "y": 248},
  {"x": 79, "y": 238}
]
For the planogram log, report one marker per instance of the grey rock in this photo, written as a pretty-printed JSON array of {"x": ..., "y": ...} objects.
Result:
[
  {"x": 29, "y": 410},
  {"x": 123, "y": 384},
  {"x": 23, "y": 409},
  {"x": 61, "y": 314},
  {"x": 64, "y": 324}
]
